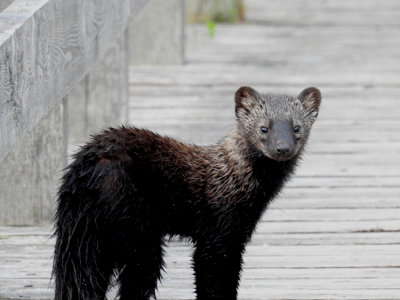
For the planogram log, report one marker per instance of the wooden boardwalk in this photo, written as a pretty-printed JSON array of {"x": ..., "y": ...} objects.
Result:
[{"x": 334, "y": 233}]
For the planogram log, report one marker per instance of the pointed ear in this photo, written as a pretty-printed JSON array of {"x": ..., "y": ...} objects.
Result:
[
  {"x": 311, "y": 99},
  {"x": 245, "y": 98}
]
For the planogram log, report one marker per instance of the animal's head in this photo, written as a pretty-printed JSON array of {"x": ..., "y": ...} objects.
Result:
[{"x": 276, "y": 125}]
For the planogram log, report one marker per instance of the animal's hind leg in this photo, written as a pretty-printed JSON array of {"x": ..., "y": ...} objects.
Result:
[{"x": 139, "y": 276}]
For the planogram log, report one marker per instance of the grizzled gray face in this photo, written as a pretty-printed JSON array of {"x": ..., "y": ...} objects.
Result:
[{"x": 277, "y": 125}]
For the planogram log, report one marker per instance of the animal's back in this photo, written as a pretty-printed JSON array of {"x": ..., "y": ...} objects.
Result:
[{"x": 138, "y": 170}]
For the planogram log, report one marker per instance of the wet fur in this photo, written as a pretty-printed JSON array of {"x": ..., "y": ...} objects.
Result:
[{"x": 128, "y": 188}]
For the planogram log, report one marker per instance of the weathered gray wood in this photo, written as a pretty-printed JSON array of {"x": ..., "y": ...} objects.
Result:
[
  {"x": 108, "y": 88},
  {"x": 350, "y": 173},
  {"x": 100, "y": 99},
  {"x": 30, "y": 173},
  {"x": 77, "y": 102},
  {"x": 326, "y": 13},
  {"x": 150, "y": 44},
  {"x": 46, "y": 47},
  {"x": 4, "y": 4},
  {"x": 29, "y": 189},
  {"x": 334, "y": 233}
]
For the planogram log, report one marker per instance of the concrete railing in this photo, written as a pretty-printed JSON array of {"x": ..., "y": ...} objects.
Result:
[{"x": 64, "y": 68}]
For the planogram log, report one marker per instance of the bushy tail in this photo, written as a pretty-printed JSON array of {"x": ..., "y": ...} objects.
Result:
[{"x": 80, "y": 269}]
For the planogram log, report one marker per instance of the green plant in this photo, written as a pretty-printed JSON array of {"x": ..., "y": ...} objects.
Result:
[{"x": 210, "y": 27}]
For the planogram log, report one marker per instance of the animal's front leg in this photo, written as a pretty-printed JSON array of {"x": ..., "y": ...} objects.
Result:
[{"x": 217, "y": 267}]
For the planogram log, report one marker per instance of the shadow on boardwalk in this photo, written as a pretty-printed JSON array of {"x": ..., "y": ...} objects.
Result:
[{"x": 335, "y": 231}]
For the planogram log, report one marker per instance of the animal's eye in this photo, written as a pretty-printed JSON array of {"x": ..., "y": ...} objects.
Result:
[
  {"x": 264, "y": 129},
  {"x": 296, "y": 129}
]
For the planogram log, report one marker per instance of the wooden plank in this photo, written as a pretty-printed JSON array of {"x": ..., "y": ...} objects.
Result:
[
  {"x": 46, "y": 47},
  {"x": 332, "y": 238},
  {"x": 327, "y": 227},
  {"x": 334, "y": 232}
]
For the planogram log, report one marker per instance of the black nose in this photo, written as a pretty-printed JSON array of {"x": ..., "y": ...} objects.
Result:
[{"x": 282, "y": 148}]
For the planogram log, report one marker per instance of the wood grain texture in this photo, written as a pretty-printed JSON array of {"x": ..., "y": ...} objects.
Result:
[
  {"x": 107, "y": 86},
  {"x": 153, "y": 46},
  {"x": 46, "y": 47},
  {"x": 30, "y": 173},
  {"x": 334, "y": 233},
  {"x": 100, "y": 99}
]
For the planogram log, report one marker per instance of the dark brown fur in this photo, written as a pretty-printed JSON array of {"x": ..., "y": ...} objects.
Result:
[{"x": 128, "y": 188}]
